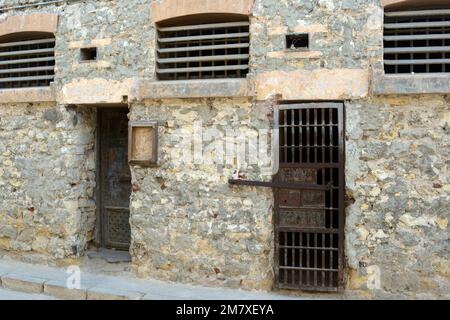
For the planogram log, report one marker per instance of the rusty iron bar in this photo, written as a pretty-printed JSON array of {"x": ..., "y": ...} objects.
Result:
[{"x": 280, "y": 185}]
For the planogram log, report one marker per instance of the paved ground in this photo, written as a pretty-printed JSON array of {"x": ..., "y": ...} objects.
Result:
[
  {"x": 14, "y": 295},
  {"x": 53, "y": 281}
]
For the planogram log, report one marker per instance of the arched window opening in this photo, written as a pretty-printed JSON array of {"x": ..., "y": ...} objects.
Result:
[
  {"x": 27, "y": 59},
  {"x": 209, "y": 46},
  {"x": 417, "y": 37}
]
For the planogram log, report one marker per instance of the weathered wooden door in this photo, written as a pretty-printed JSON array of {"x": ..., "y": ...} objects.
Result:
[
  {"x": 114, "y": 179},
  {"x": 309, "y": 220}
]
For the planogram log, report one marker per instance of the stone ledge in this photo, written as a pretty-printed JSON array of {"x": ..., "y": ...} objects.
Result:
[
  {"x": 216, "y": 88},
  {"x": 411, "y": 84},
  {"x": 44, "y": 94}
]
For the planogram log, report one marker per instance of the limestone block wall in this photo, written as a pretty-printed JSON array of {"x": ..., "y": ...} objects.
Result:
[
  {"x": 398, "y": 178},
  {"x": 47, "y": 180},
  {"x": 187, "y": 223}
]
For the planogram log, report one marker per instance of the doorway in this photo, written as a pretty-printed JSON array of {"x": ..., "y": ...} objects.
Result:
[
  {"x": 114, "y": 179},
  {"x": 309, "y": 219}
]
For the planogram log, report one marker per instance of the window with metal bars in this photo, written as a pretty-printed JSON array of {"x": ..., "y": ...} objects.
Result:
[
  {"x": 417, "y": 41},
  {"x": 207, "y": 49},
  {"x": 27, "y": 60}
]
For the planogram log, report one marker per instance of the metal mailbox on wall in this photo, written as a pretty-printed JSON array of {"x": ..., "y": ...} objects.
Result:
[{"x": 143, "y": 143}]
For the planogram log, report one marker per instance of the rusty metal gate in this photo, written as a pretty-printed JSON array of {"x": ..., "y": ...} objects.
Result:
[{"x": 309, "y": 215}]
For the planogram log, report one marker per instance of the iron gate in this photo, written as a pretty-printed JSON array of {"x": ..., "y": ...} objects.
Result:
[{"x": 309, "y": 220}]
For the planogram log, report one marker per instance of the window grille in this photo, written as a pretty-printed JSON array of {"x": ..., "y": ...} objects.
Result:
[
  {"x": 27, "y": 62},
  {"x": 203, "y": 51},
  {"x": 417, "y": 41}
]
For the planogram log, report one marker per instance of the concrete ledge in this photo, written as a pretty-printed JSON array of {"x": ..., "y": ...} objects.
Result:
[
  {"x": 23, "y": 283},
  {"x": 215, "y": 88},
  {"x": 99, "y": 293},
  {"x": 319, "y": 84},
  {"x": 168, "y": 9},
  {"x": 411, "y": 84},
  {"x": 44, "y": 94},
  {"x": 59, "y": 290}
]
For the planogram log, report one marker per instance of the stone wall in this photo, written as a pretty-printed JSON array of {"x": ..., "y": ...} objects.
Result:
[
  {"x": 187, "y": 223},
  {"x": 47, "y": 180},
  {"x": 398, "y": 177}
]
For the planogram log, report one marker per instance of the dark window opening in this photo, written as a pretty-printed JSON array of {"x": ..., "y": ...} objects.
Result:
[
  {"x": 297, "y": 41},
  {"x": 88, "y": 54},
  {"x": 27, "y": 60}
]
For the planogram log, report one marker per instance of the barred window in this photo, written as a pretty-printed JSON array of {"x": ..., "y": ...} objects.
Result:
[
  {"x": 215, "y": 47},
  {"x": 27, "y": 60},
  {"x": 417, "y": 40}
]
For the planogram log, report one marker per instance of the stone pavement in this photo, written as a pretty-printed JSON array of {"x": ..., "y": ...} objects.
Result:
[{"x": 42, "y": 280}]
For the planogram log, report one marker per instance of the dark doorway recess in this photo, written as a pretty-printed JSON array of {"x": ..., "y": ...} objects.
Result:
[{"x": 114, "y": 179}]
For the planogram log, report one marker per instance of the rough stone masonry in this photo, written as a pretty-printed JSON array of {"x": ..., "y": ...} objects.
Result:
[{"x": 187, "y": 223}]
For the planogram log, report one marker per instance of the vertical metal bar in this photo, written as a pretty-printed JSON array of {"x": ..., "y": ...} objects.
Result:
[
  {"x": 285, "y": 257},
  {"x": 301, "y": 129},
  {"x": 323, "y": 135},
  {"x": 315, "y": 259},
  {"x": 293, "y": 149},
  {"x": 315, "y": 134},
  {"x": 285, "y": 137},
  {"x": 308, "y": 283},
  {"x": 301, "y": 258},
  {"x": 307, "y": 136},
  {"x": 323, "y": 260},
  {"x": 330, "y": 279},
  {"x": 341, "y": 190},
  {"x": 293, "y": 258}
]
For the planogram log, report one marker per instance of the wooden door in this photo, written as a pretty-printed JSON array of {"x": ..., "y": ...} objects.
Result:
[{"x": 114, "y": 179}]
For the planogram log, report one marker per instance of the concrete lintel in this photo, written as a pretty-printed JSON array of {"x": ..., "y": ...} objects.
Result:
[
  {"x": 36, "y": 22},
  {"x": 320, "y": 84},
  {"x": 217, "y": 88},
  {"x": 411, "y": 84},
  {"x": 18, "y": 95},
  {"x": 168, "y": 9}
]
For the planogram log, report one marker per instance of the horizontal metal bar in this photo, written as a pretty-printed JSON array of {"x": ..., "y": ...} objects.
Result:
[
  {"x": 308, "y": 269},
  {"x": 282, "y": 228},
  {"x": 31, "y": 69},
  {"x": 202, "y": 69},
  {"x": 28, "y": 42},
  {"x": 418, "y": 13},
  {"x": 205, "y": 58},
  {"x": 417, "y": 49},
  {"x": 279, "y": 185},
  {"x": 206, "y": 37},
  {"x": 308, "y": 248},
  {"x": 20, "y": 79},
  {"x": 417, "y": 37},
  {"x": 205, "y": 48},
  {"x": 411, "y": 25},
  {"x": 44, "y": 59},
  {"x": 206, "y": 26},
  {"x": 417, "y": 61},
  {"x": 26, "y": 52}
]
